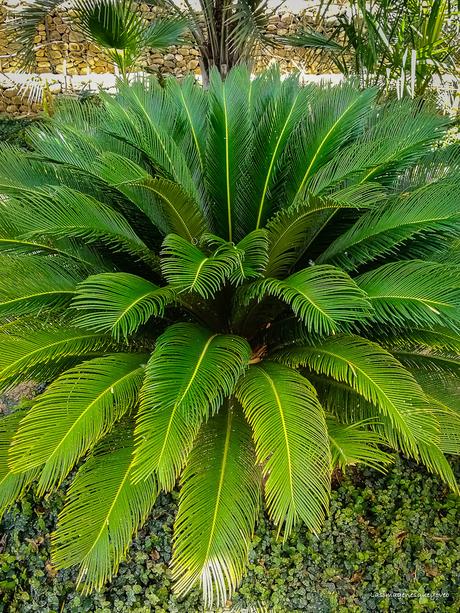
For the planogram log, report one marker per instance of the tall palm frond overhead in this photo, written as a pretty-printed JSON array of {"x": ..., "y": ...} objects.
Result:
[
  {"x": 225, "y": 32},
  {"x": 238, "y": 288}
]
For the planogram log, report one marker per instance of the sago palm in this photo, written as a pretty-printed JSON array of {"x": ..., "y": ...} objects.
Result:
[{"x": 240, "y": 288}]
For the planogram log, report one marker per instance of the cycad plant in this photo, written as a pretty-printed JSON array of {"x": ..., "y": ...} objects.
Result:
[{"x": 237, "y": 288}]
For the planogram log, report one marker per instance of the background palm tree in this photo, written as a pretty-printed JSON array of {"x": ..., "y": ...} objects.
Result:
[{"x": 241, "y": 287}]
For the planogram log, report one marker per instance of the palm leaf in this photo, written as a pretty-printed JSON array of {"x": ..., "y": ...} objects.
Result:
[
  {"x": 77, "y": 409},
  {"x": 119, "y": 303},
  {"x": 336, "y": 114},
  {"x": 291, "y": 443},
  {"x": 12, "y": 485},
  {"x": 353, "y": 444},
  {"x": 273, "y": 132},
  {"x": 188, "y": 269},
  {"x": 377, "y": 376},
  {"x": 218, "y": 506},
  {"x": 227, "y": 147},
  {"x": 292, "y": 229},
  {"x": 142, "y": 117},
  {"x": 191, "y": 103},
  {"x": 43, "y": 353},
  {"x": 424, "y": 293},
  {"x": 434, "y": 208},
  {"x": 164, "y": 202},
  {"x": 253, "y": 256},
  {"x": 189, "y": 374},
  {"x": 33, "y": 285},
  {"x": 321, "y": 296},
  {"x": 61, "y": 212},
  {"x": 105, "y": 508}
]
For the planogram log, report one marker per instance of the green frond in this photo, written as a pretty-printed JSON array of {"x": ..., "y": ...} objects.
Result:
[
  {"x": 377, "y": 376},
  {"x": 274, "y": 129},
  {"x": 191, "y": 103},
  {"x": 397, "y": 135},
  {"x": 336, "y": 114},
  {"x": 164, "y": 202},
  {"x": 11, "y": 244},
  {"x": 292, "y": 229},
  {"x": 33, "y": 285},
  {"x": 119, "y": 303},
  {"x": 188, "y": 269},
  {"x": 60, "y": 212},
  {"x": 437, "y": 463},
  {"x": 12, "y": 485},
  {"x": 189, "y": 374},
  {"x": 432, "y": 208},
  {"x": 424, "y": 293},
  {"x": 104, "y": 508},
  {"x": 141, "y": 116},
  {"x": 120, "y": 29},
  {"x": 322, "y": 297},
  {"x": 229, "y": 133},
  {"x": 443, "y": 393},
  {"x": 42, "y": 354},
  {"x": 353, "y": 444},
  {"x": 291, "y": 441},
  {"x": 433, "y": 338},
  {"x": 218, "y": 505},
  {"x": 74, "y": 413},
  {"x": 253, "y": 256},
  {"x": 426, "y": 360}
]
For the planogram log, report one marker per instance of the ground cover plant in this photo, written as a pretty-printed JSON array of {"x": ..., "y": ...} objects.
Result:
[
  {"x": 387, "y": 535},
  {"x": 242, "y": 287}
]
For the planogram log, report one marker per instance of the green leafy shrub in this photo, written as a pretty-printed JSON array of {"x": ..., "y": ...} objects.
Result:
[
  {"x": 390, "y": 534},
  {"x": 243, "y": 287}
]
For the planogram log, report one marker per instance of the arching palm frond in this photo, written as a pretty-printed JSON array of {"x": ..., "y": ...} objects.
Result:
[
  {"x": 227, "y": 147},
  {"x": 77, "y": 409},
  {"x": 430, "y": 209},
  {"x": 164, "y": 202},
  {"x": 119, "y": 303},
  {"x": 414, "y": 291},
  {"x": 104, "y": 529},
  {"x": 378, "y": 377},
  {"x": 292, "y": 229},
  {"x": 291, "y": 443},
  {"x": 188, "y": 269},
  {"x": 34, "y": 285},
  {"x": 12, "y": 485},
  {"x": 42, "y": 354},
  {"x": 118, "y": 28},
  {"x": 189, "y": 374},
  {"x": 352, "y": 444},
  {"x": 336, "y": 114},
  {"x": 218, "y": 506},
  {"x": 191, "y": 104},
  {"x": 64, "y": 213},
  {"x": 321, "y": 296}
]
